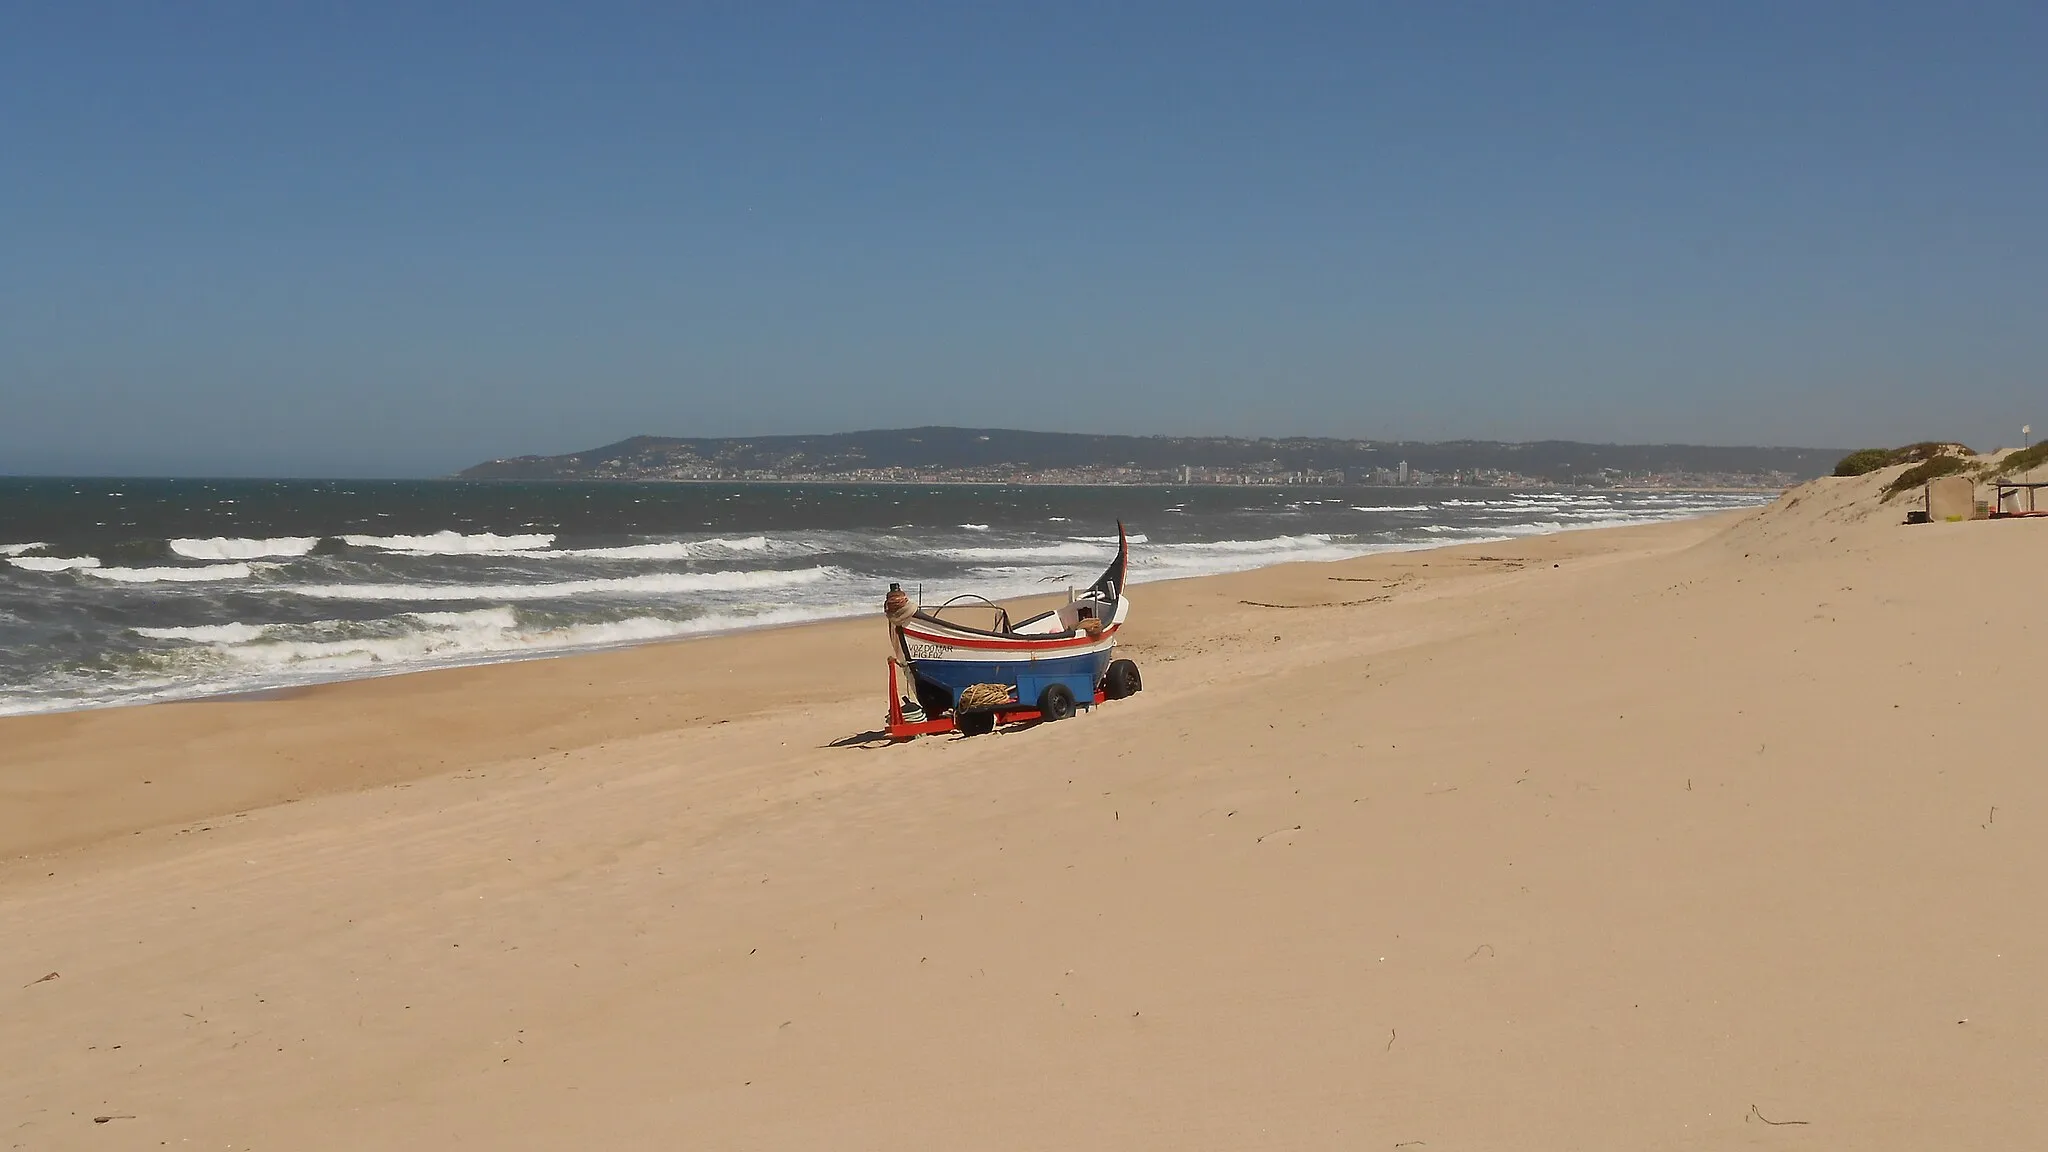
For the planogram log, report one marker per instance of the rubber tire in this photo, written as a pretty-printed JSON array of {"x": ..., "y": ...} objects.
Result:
[
  {"x": 975, "y": 723},
  {"x": 1122, "y": 680},
  {"x": 1056, "y": 703}
]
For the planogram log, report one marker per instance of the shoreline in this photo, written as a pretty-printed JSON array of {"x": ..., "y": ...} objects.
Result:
[{"x": 199, "y": 695}]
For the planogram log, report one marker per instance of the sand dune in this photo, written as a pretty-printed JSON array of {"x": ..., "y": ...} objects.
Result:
[{"x": 1701, "y": 835}]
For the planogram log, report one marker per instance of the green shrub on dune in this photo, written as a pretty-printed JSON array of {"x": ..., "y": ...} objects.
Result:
[
  {"x": 2025, "y": 460},
  {"x": 1924, "y": 471},
  {"x": 1863, "y": 460},
  {"x": 1867, "y": 460}
]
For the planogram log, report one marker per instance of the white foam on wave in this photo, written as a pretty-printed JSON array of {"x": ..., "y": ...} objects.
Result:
[
  {"x": 501, "y": 617},
  {"x": 208, "y": 633},
  {"x": 666, "y": 549},
  {"x": 53, "y": 563},
  {"x": 1520, "y": 503},
  {"x": 1390, "y": 507},
  {"x": 651, "y": 584},
  {"x": 18, "y": 549},
  {"x": 206, "y": 573},
  {"x": 450, "y": 543},
  {"x": 231, "y": 548},
  {"x": 1136, "y": 538},
  {"x": 975, "y": 527}
]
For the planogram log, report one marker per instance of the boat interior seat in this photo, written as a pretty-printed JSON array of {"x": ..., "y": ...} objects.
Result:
[{"x": 1061, "y": 621}]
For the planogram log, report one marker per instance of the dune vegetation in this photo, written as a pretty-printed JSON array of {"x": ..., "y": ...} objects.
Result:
[{"x": 1866, "y": 460}]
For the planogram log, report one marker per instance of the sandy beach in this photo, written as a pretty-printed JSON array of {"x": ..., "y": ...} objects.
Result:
[{"x": 1720, "y": 833}]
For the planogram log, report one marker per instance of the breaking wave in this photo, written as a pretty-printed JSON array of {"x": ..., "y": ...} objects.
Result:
[
  {"x": 455, "y": 543},
  {"x": 228, "y": 548},
  {"x": 649, "y": 584},
  {"x": 53, "y": 563},
  {"x": 206, "y": 633},
  {"x": 666, "y": 550},
  {"x": 203, "y": 574}
]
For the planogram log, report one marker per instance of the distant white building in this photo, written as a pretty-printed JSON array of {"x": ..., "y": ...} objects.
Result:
[{"x": 1402, "y": 473}]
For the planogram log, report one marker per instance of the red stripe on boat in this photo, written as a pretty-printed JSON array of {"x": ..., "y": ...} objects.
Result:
[{"x": 1010, "y": 645}]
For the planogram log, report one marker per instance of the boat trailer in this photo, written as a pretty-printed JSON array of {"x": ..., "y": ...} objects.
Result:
[{"x": 979, "y": 720}]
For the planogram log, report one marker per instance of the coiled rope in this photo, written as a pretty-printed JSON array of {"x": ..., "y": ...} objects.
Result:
[{"x": 983, "y": 696}]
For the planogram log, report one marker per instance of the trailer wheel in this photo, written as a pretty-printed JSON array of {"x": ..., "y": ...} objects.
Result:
[
  {"x": 974, "y": 723},
  {"x": 1122, "y": 680},
  {"x": 1056, "y": 703}
]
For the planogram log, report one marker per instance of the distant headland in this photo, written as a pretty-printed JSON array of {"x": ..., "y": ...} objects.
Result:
[{"x": 1006, "y": 456}]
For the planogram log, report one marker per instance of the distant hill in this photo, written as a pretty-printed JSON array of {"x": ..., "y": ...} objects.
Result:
[{"x": 994, "y": 453}]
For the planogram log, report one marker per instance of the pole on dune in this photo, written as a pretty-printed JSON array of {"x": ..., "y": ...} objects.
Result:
[{"x": 2026, "y": 442}]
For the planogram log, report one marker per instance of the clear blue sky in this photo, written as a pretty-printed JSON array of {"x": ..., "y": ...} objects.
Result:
[{"x": 373, "y": 239}]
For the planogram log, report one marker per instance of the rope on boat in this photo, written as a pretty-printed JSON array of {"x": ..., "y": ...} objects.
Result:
[
  {"x": 983, "y": 696},
  {"x": 897, "y": 606}
]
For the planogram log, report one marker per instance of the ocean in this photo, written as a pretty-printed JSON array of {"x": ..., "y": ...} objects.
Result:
[{"x": 127, "y": 591}]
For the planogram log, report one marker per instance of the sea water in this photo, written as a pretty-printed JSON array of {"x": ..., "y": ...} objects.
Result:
[{"x": 127, "y": 591}]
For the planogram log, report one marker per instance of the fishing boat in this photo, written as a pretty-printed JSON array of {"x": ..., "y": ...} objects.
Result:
[{"x": 965, "y": 666}]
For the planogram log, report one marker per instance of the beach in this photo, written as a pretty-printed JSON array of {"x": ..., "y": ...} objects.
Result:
[{"x": 1711, "y": 833}]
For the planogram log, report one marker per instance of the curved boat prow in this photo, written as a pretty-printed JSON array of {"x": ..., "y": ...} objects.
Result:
[
  {"x": 1038, "y": 668},
  {"x": 1110, "y": 585}
]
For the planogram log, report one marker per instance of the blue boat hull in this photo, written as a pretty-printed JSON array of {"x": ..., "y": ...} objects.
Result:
[{"x": 1080, "y": 673}]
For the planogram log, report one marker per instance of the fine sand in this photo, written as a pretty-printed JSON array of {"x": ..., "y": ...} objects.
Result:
[{"x": 1706, "y": 835}]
